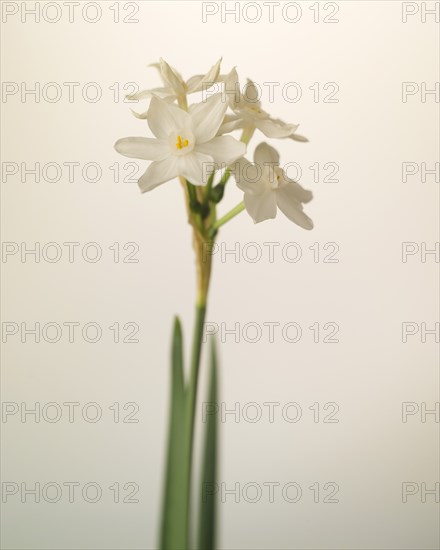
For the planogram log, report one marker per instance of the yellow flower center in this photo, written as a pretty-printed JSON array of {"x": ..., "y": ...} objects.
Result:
[{"x": 181, "y": 144}]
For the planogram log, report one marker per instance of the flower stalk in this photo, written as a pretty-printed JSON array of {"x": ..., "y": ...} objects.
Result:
[
  {"x": 187, "y": 139},
  {"x": 231, "y": 214},
  {"x": 201, "y": 244}
]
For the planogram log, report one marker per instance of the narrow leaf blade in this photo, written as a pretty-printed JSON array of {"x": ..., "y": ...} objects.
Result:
[
  {"x": 173, "y": 528},
  {"x": 209, "y": 487}
]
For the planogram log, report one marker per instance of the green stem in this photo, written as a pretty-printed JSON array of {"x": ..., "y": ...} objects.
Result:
[
  {"x": 231, "y": 214},
  {"x": 203, "y": 277},
  {"x": 208, "y": 188},
  {"x": 225, "y": 177}
]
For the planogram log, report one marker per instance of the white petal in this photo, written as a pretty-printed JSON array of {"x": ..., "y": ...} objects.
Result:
[
  {"x": 158, "y": 172},
  {"x": 169, "y": 98},
  {"x": 143, "y": 148},
  {"x": 262, "y": 206},
  {"x": 203, "y": 82},
  {"x": 145, "y": 94},
  {"x": 195, "y": 167},
  {"x": 208, "y": 116},
  {"x": 275, "y": 128},
  {"x": 266, "y": 155},
  {"x": 142, "y": 116},
  {"x": 224, "y": 149},
  {"x": 295, "y": 190},
  {"x": 292, "y": 208},
  {"x": 231, "y": 87},
  {"x": 165, "y": 118},
  {"x": 229, "y": 124},
  {"x": 157, "y": 67},
  {"x": 297, "y": 137},
  {"x": 248, "y": 177},
  {"x": 251, "y": 94},
  {"x": 193, "y": 83},
  {"x": 172, "y": 77}
]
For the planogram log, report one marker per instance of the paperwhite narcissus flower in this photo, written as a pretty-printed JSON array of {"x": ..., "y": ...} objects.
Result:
[
  {"x": 250, "y": 115},
  {"x": 266, "y": 188},
  {"x": 186, "y": 144},
  {"x": 175, "y": 88}
]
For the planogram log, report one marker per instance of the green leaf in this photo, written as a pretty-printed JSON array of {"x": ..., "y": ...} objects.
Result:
[
  {"x": 209, "y": 485},
  {"x": 174, "y": 512}
]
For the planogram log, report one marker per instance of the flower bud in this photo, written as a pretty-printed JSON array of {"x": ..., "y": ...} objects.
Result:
[{"x": 217, "y": 193}]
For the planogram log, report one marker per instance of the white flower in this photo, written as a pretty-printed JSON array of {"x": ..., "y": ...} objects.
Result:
[
  {"x": 266, "y": 188},
  {"x": 250, "y": 115},
  {"x": 186, "y": 144},
  {"x": 175, "y": 88}
]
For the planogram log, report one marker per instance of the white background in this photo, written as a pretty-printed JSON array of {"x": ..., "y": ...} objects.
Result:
[{"x": 369, "y": 212}]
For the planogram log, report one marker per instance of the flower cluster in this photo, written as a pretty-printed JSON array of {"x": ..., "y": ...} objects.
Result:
[{"x": 190, "y": 142}]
